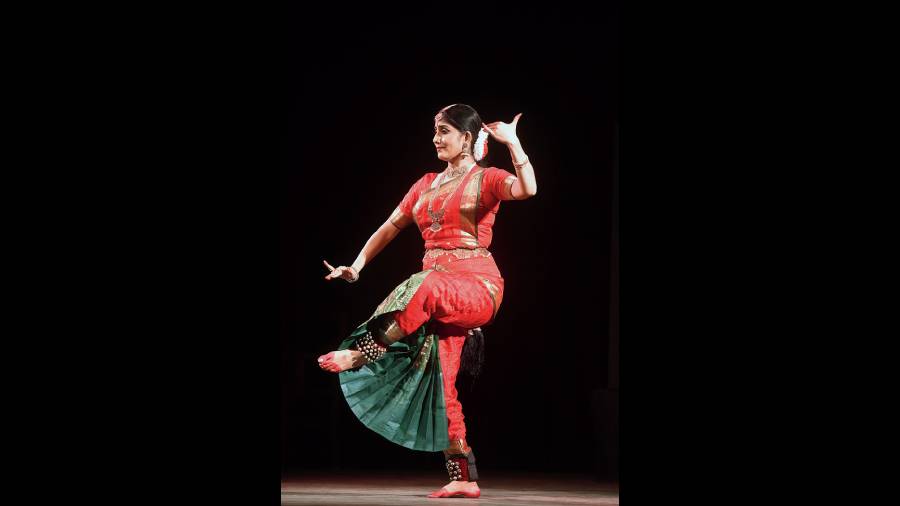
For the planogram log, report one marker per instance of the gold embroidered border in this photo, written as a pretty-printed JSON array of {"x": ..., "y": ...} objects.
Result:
[
  {"x": 493, "y": 291},
  {"x": 461, "y": 253},
  {"x": 400, "y": 296},
  {"x": 424, "y": 352},
  {"x": 400, "y": 220},
  {"x": 443, "y": 191},
  {"x": 468, "y": 204},
  {"x": 392, "y": 331},
  {"x": 508, "y": 183}
]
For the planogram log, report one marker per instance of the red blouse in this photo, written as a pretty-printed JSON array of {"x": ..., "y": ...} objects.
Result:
[{"x": 470, "y": 207}]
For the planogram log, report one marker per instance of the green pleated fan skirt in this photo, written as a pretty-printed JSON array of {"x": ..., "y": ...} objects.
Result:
[{"x": 400, "y": 396}]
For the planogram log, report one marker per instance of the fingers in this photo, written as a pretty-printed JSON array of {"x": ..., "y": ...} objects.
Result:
[
  {"x": 340, "y": 272},
  {"x": 334, "y": 272},
  {"x": 516, "y": 119}
]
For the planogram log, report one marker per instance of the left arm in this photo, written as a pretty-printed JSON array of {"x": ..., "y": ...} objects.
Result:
[{"x": 525, "y": 185}]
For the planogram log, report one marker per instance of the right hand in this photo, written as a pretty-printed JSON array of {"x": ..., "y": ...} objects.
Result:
[
  {"x": 343, "y": 272},
  {"x": 504, "y": 132}
]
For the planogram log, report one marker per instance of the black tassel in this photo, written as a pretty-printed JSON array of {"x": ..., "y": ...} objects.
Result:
[{"x": 473, "y": 355}]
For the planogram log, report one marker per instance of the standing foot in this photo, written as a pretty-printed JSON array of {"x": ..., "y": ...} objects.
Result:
[{"x": 467, "y": 489}]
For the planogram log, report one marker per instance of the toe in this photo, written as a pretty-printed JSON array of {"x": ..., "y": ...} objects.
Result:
[{"x": 438, "y": 493}]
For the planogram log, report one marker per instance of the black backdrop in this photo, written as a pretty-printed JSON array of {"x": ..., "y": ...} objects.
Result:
[
  {"x": 360, "y": 102},
  {"x": 210, "y": 158}
]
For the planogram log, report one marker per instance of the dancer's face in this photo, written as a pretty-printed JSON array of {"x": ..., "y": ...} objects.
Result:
[{"x": 448, "y": 141}]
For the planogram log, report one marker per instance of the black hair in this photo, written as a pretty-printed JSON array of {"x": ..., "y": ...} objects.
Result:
[{"x": 465, "y": 119}]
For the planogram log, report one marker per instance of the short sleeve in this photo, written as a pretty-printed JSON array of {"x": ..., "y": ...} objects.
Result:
[
  {"x": 499, "y": 183},
  {"x": 409, "y": 200},
  {"x": 403, "y": 214}
]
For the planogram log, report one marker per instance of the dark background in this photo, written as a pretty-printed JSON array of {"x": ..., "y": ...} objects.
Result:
[
  {"x": 210, "y": 159},
  {"x": 361, "y": 101}
]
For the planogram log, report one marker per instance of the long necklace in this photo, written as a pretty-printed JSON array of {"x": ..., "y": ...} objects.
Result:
[{"x": 438, "y": 216}]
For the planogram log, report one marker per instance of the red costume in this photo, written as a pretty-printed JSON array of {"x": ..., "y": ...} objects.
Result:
[{"x": 465, "y": 289}]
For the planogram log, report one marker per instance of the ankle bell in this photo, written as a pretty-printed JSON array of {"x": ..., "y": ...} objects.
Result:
[
  {"x": 461, "y": 466},
  {"x": 370, "y": 348}
]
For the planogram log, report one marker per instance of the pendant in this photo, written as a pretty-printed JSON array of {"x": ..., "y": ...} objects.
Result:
[{"x": 436, "y": 219}]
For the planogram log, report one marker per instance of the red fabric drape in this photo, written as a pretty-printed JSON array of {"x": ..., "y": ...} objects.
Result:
[{"x": 464, "y": 289}]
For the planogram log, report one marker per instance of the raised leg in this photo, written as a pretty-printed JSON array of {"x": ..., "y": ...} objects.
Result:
[{"x": 368, "y": 348}]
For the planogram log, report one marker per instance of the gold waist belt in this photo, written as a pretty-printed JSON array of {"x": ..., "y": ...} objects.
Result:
[{"x": 460, "y": 253}]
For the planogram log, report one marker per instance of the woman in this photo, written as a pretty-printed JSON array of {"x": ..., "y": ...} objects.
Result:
[{"x": 394, "y": 379}]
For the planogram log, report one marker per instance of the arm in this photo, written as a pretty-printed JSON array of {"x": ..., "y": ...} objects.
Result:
[
  {"x": 381, "y": 238},
  {"x": 525, "y": 185},
  {"x": 384, "y": 235}
]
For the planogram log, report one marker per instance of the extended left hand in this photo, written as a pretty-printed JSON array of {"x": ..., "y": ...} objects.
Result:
[{"x": 504, "y": 132}]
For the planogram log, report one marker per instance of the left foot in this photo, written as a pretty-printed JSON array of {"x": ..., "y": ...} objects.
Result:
[
  {"x": 339, "y": 361},
  {"x": 458, "y": 489}
]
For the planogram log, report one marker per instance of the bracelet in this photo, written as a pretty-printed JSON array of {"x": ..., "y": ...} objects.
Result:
[
  {"x": 518, "y": 166},
  {"x": 355, "y": 275}
]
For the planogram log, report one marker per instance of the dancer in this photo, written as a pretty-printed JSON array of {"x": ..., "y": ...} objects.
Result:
[{"x": 398, "y": 369}]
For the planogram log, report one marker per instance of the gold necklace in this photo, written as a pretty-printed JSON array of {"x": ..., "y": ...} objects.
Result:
[{"x": 438, "y": 216}]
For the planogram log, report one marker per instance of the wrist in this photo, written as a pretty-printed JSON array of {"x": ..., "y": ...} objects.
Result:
[{"x": 521, "y": 163}]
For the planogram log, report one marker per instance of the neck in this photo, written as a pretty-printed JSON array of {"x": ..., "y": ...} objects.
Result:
[{"x": 459, "y": 164}]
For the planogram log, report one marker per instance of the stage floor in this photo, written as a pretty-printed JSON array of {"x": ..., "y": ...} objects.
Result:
[{"x": 506, "y": 489}]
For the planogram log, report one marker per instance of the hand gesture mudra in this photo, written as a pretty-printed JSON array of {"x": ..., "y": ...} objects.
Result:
[
  {"x": 346, "y": 273},
  {"x": 503, "y": 132}
]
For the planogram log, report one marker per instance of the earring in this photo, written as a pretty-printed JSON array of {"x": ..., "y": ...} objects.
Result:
[{"x": 465, "y": 150}]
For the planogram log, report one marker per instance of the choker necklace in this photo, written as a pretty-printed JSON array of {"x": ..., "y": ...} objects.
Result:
[
  {"x": 438, "y": 216},
  {"x": 451, "y": 173}
]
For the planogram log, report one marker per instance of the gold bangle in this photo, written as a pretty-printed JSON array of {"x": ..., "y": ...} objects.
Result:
[{"x": 518, "y": 166}]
